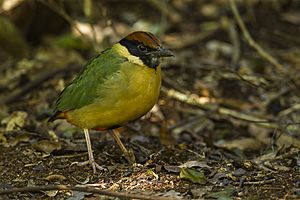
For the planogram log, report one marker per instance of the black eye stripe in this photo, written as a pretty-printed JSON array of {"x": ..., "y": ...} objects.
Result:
[
  {"x": 132, "y": 46},
  {"x": 146, "y": 56}
]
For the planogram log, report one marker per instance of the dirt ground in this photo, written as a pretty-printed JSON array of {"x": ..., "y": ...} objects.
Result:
[
  {"x": 156, "y": 173},
  {"x": 226, "y": 125}
]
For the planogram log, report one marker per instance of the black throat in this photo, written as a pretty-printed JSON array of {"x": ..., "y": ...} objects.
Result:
[{"x": 147, "y": 58}]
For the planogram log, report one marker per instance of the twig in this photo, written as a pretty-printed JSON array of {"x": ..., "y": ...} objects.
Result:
[
  {"x": 195, "y": 100},
  {"x": 62, "y": 13},
  {"x": 56, "y": 8},
  {"x": 264, "y": 54},
  {"x": 249, "y": 118},
  {"x": 289, "y": 110},
  {"x": 83, "y": 189},
  {"x": 234, "y": 38},
  {"x": 292, "y": 153},
  {"x": 256, "y": 182},
  {"x": 191, "y": 99}
]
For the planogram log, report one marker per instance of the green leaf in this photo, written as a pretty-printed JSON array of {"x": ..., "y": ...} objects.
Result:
[
  {"x": 193, "y": 175},
  {"x": 226, "y": 194},
  {"x": 70, "y": 41}
]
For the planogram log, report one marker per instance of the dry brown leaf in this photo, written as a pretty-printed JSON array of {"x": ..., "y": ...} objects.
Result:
[
  {"x": 244, "y": 144},
  {"x": 287, "y": 140},
  {"x": 195, "y": 163},
  {"x": 3, "y": 139},
  {"x": 15, "y": 121},
  {"x": 47, "y": 146},
  {"x": 55, "y": 178},
  {"x": 20, "y": 138}
]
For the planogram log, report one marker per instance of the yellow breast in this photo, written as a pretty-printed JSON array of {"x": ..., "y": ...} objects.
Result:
[{"x": 126, "y": 96}]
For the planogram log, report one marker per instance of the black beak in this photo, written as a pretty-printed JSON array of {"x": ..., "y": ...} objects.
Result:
[{"x": 162, "y": 52}]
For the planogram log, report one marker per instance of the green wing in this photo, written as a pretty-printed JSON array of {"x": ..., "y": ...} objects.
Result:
[{"x": 85, "y": 87}]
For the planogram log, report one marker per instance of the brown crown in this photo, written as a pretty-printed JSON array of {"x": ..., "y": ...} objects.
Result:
[{"x": 145, "y": 37}]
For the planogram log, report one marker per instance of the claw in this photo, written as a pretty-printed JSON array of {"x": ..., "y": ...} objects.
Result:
[
  {"x": 91, "y": 160},
  {"x": 93, "y": 163},
  {"x": 129, "y": 155}
]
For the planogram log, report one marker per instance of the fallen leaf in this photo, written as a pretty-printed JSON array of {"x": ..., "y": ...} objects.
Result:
[
  {"x": 20, "y": 138},
  {"x": 3, "y": 139},
  {"x": 244, "y": 144},
  {"x": 262, "y": 134},
  {"x": 171, "y": 194},
  {"x": 226, "y": 194},
  {"x": 47, "y": 146},
  {"x": 287, "y": 140},
  {"x": 55, "y": 178},
  {"x": 194, "y": 163},
  {"x": 51, "y": 193},
  {"x": 152, "y": 173},
  {"x": 281, "y": 168},
  {"x": 15, "y": 121},
  {"x": 193, "y": 175},
  {"x": 239, "y": 172},
  {"x": 200, "y": 191},
  {"x": 76, "y": 195},
  {"x": 172, "y": 168}
]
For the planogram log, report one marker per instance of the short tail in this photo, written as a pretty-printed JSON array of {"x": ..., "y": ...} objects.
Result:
[{"x": 56, "y": 115}]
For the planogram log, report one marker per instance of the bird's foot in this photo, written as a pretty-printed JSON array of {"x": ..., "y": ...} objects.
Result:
[
  {"x": 91, "y": 162},
  {"x": 130, "y": 157}
]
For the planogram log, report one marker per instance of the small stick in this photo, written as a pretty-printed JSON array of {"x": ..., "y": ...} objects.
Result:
[
  {"x": 194, "y": 99},
  {"x": 256, "y": 182},
  {"x": 54, "y": 7},
  {"x": 83, "y": 189},
  {"x": 264, "y": 54}
]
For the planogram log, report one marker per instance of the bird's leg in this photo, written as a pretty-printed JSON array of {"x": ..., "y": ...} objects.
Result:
[
  {"x": 90, "y": 153},
  {"x": 128, "y": 154}
]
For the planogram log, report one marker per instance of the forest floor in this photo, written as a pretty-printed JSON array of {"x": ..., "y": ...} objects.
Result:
[{"x": 226, "y": 125}]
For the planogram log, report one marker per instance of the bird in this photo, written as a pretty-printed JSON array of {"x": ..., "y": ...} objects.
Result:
[{"x": 118, "y": 86}]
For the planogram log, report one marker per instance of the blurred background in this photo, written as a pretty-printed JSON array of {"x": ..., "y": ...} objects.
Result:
[{"x": 230, "y": 95}]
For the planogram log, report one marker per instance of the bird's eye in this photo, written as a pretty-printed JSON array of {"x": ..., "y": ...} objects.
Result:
[{"x": 142, "y": 48}]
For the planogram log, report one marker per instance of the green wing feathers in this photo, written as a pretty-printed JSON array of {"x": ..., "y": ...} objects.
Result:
[{"x": 86, "y": 86}]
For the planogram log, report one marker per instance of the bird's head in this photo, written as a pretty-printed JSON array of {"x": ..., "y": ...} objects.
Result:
[{"x": 146, "y": 47}]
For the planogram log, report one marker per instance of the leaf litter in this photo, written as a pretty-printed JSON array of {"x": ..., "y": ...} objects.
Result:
[{"x": 226, "y": 125}]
